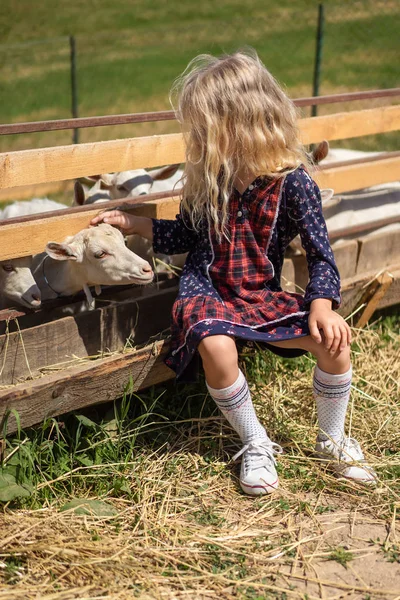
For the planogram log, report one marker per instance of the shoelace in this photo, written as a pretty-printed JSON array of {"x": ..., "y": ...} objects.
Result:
[
  {"x": 350, "y": 450},
  {"x": 259, "y": 453}
]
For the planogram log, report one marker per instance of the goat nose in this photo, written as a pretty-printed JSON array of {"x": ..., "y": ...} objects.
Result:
[
  {"x": 147, "y": 268},
  {"x": 36, "y": 298}
]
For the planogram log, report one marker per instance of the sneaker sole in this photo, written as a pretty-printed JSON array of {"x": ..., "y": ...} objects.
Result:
[
  {"x": 330, "y": 463},
  {"x": 269, "y": 488}
]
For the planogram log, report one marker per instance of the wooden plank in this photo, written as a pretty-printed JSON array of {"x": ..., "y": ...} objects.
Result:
[
  {"x": 345, "y": 252},
  {"x": 378, "y": 249},
  {"x": 373, "y": 295},
  {"x": 30, "y": 236},
  {"x": 341, "y": 126},
  {"x": 25, "y": 352},
  {"x": 374, "y": 156},
  {"x": 27, "y": 192},
  {"x": 44, "y": 165},
  {"x": 359, "y": 176},
  {"x": 352, "y": 290},
  {"x": 95, "y": 382}
]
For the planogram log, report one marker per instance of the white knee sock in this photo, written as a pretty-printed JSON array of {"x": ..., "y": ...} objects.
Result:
[
  {"x": 235, "y": 404},
  {"x": 332, "y": 393}
]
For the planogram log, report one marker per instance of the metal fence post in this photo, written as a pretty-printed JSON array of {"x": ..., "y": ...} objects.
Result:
[
  {"x": 318, "y": 56},
  {"x": 74, "y": 86}
]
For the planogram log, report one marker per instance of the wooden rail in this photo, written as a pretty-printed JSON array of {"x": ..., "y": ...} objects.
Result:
[
  {"x": 29, "y": 235},
  {"x": 169, "y": 115},
  {"x": 29, "y": 167},
  {"x": 91, "y": 383}
]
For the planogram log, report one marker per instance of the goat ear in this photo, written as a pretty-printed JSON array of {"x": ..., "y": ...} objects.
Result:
[
  {"x": 79, "y": 194},
  {"x": 164, "y": 173},
  {"x": 320, "y": 152},
  {"x": 106, "y": 180},
  {"x": 61, "y": 251},
  {"x": 89, "y": 179}
]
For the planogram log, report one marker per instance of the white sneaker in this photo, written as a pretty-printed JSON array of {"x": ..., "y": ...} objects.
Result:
[
  {"x": 258, "y": 475},
  {"x": 346, "y": 459}
]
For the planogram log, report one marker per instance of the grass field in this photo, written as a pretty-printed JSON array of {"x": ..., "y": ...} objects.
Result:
[
  {"x": 164, "y": 516},
  {"x": 130, "y": 53}
]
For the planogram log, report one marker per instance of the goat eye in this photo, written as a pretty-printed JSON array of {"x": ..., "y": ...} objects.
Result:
[
  {"x": 8, "y": 268},
  {"x": 101, "y": 254}
]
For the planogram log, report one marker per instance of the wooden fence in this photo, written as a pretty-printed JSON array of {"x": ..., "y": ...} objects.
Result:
[{"x": 23, "y": 354}]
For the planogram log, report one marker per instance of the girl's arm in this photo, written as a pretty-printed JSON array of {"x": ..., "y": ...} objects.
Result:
[
  {"x": 173, "y": 236},
  {"x": 322, "y": 294},
  {"x": 168, "y": 236}
]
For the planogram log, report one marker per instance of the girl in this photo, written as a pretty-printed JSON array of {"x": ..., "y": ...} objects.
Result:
[{"x": 247, "y": 193}]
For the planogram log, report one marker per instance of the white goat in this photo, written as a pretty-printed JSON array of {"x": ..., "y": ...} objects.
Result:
[
  {"x": 130, "y": 184},
  {"x": 17, "y": 284},
  {"x": 93, "y": 257},
  {"x": 30, "y": 207}
]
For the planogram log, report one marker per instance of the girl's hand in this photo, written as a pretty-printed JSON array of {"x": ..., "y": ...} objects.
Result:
[
  {"x": 124, "y": 221},
  {"x": 336, "y": 334}
]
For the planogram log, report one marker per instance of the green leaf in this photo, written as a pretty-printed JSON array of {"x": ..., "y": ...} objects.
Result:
[
  {"x": 86, "y": 422},
  {"x": 121, "y": 485},
  {"x": 82, "y": 506},
  {"x": 85, "y": 460},
  {"x": 10, "y": 489},
  {"x": 110, "y": 426}
]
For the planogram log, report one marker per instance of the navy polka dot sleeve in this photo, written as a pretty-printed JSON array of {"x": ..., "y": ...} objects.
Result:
[
  {"x": 304, "y": 209},
  {"x": 173, "y": 236}
]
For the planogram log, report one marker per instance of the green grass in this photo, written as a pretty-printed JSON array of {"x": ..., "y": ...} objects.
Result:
[
  {"x": 130, "y": 53},
  {"x": 140, "y": 498},
  {"x": 341, "y": 555},
  {"x": 51, "y": 460}
]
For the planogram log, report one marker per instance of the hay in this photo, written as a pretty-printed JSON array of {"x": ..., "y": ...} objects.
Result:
[{"x": 185, "y": 530}]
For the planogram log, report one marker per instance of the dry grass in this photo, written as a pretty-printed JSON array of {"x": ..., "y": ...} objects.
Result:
[{"x": 183, "y": 529}]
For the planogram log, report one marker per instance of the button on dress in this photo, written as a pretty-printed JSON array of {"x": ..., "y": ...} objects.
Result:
[{"x": 233, "y": 287}]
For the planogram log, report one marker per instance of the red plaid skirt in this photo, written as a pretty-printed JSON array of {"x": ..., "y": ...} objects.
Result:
[{"x": 237, "y": 291}]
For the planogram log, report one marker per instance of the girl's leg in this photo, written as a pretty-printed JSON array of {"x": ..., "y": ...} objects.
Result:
[
  {"x": 228, "y": 387},
  {"x": 331, "y": 386}
]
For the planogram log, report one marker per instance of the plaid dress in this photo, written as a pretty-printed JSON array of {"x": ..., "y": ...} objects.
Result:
[{"x": 233, "y": 287}]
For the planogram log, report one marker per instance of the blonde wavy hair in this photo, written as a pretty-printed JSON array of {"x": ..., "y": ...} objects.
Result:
[{"x": 233, "y": 115}]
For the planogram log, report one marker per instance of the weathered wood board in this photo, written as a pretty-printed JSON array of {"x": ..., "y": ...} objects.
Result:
[
  {"x": 41, "y": 190},
  {"x": 346, "y": 253},
  {"x": 356, "y": 177},
  {"x": 353, "y": 289},
  {"x": 94, "y": 382},
  {"x": 28, "y": 351},
  {"x": 378, "y": 250}
]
